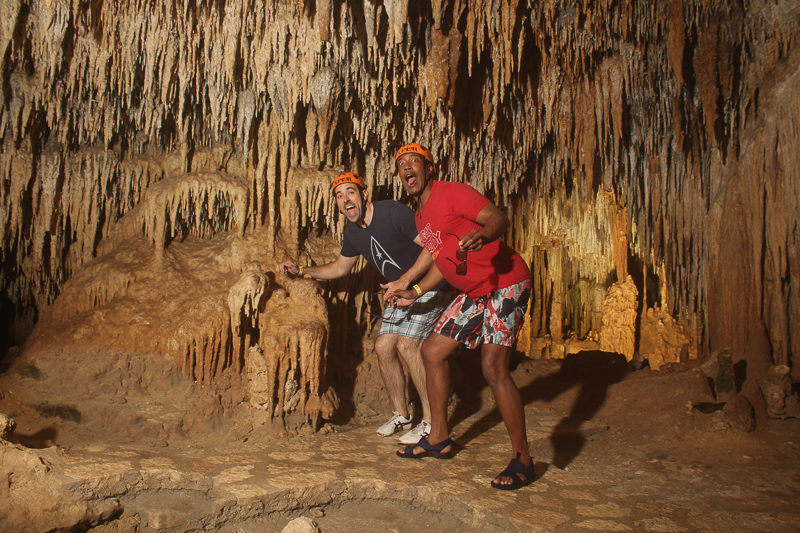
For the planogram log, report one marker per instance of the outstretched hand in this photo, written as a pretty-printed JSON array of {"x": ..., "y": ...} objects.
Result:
[
  {"x": 289, "y": 267},
  {"x": 403, "y": 298},
  {"x": 392, "y": 286}
]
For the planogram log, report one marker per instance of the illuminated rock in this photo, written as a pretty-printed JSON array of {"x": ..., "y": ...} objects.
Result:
[{"x": 621, "y": 137}]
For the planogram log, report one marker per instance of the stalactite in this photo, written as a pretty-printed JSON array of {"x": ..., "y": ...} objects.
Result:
[
  {"x": 307, "y": 200},
  {"x": 656, "y": 104},
  {"x": 244, "y": 299},
  {"x": 202, "y": 203},
  {"x": 71, "y": 202}
]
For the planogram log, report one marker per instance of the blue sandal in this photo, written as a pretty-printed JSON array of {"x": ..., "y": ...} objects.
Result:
[
  {"x": 431, "y": 450},
  {"x": 515, "y": 470}
]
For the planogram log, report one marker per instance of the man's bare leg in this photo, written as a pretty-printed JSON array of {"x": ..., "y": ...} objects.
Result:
[
  {"x": 435, "y": 351},
  {"x": 495, "y": 366},
  {"x": 392, "y": 371},
  {"x": 410, "y": 351}
]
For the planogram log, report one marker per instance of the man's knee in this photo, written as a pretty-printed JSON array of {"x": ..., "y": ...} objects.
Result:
[
  {"x": 385, "y": 347},
  {"x": 491, "y": 373},
  {"x": 433, "y": 352},
  {"x": 495, "y": 369},
  {"x": 409, "y": 349}
]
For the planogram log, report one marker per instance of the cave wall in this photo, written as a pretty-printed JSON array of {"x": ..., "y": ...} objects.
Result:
[{"x": 652, "y": 139}]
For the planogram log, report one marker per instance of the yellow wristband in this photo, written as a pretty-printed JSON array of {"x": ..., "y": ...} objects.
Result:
[
  {"x": 417, "y": 290},
  {"x": 300, "y": 271}
]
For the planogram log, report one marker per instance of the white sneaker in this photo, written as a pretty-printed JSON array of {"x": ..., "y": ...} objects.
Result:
[
  {"x": 398, "y": 422},
  {"x": 423, "y": 429}
]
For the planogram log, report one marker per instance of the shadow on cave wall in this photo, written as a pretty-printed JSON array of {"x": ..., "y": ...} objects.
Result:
[
  {"x": 342, "y": 370},
  {"x": 345, "y": 355}
]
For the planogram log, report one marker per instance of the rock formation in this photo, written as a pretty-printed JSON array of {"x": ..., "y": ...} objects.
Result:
[{"x": 656, "y": 140}]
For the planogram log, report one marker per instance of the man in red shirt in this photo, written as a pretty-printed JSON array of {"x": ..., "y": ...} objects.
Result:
[{"x": 461, "y": 230}]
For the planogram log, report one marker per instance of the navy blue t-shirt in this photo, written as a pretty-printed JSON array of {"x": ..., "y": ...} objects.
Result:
[{"x": 388, "y": 242}]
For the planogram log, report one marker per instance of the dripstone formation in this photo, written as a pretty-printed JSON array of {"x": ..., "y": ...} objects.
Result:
[{"x": 646, "y": 152}]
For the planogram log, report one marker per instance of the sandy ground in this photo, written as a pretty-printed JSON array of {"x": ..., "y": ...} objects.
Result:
[{"x": 614, "y": 450}]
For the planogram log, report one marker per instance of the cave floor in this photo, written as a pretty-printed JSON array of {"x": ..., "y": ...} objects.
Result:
[{"x": 615, "y": 454}]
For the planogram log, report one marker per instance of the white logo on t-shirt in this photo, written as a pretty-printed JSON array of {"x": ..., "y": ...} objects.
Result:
[
  {"x": 381, "y": 257},
  {"x": 431, "y": 239}
]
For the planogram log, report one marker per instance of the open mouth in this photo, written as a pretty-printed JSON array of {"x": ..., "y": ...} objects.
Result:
[
  {"x": 410, "y": 179},
  {"x": 350, "y": 210}
]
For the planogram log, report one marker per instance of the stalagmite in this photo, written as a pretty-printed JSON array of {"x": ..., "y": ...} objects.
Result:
[
  {"x": 295, "y": 364},
  {"x": 641, "y": 139},
  {"x": 244, "y": 300},
  {"x": 663, "y": 341},
  {"x": 618, "y": 332}
]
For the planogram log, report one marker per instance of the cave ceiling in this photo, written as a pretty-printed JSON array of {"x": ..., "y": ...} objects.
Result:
[{"x": 651, "y": 139}]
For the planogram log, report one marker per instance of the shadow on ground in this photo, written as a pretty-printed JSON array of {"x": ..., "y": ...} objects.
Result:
[{"x": 592, "y": 372}]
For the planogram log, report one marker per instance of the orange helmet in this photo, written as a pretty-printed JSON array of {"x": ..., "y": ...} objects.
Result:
[
  {"x": 417, "y": 149},
  {"x": 347, "y": 177}
]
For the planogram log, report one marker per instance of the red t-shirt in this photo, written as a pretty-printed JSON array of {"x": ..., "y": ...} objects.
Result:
[{"x": 448, "y": 215}]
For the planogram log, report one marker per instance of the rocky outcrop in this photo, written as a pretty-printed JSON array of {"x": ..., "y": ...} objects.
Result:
[{"x": 656, "y": 139}]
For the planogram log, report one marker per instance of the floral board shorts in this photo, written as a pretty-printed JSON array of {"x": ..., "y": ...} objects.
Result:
[
  {"x": 418, "y": 319},
  {"x": 492, "y": 319}
]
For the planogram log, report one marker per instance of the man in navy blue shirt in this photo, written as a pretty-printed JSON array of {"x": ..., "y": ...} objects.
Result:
[{"x": 385, "y": 233}]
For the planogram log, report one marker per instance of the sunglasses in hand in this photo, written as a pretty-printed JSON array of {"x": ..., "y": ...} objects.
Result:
[{"x": 461, "y": 256}]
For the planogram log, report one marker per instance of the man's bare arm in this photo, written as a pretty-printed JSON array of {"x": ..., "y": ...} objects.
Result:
[
  {"x": 494, "y": 222},
  {"x": 406, "y": 297},
  {"x": 338, "y": 268},
  {"x": 415, "y": 271}
]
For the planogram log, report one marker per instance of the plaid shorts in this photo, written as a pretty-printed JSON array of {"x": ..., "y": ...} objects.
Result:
[
  {"x": 492, "y": 319},
  {"x": 418, "y": 319}
]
